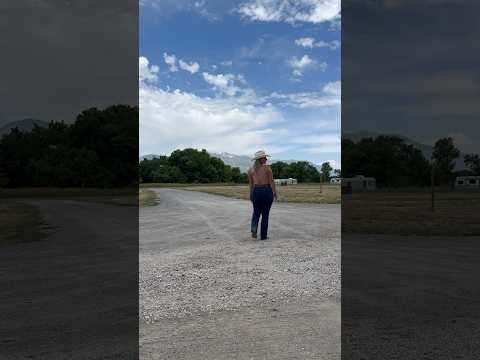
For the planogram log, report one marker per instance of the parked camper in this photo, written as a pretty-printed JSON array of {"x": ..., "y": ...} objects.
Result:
[
  {"x": 359, "y": 183},
  {"x": 335, "y": 180},
  {"x": 467, "y": 182},
  {"x": 288, "y": 181}
]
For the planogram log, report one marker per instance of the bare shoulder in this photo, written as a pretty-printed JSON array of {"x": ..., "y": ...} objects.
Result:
[{"x": 269, "y": 169}]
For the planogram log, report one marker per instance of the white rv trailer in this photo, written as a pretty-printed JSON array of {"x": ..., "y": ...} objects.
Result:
[
  {"x": 288, "y": 181},
  {"x": 360, "y": 183},
  {"x": 467, "y": 182},
  {"x": 335, "y": 180}
]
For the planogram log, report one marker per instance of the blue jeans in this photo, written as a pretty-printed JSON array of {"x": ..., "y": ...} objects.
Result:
[{"x": 262, "y": 199}]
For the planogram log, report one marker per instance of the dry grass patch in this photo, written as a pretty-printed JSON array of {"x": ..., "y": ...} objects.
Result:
[
  {"x": 62, "y": 193},
  {"x": 409, "y": 213},
  {"x": 147, "y": 198},
  {"x": 302, "y": 193}
]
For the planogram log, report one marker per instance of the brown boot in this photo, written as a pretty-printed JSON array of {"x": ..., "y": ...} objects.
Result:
[{"x": 254, "y": 235}]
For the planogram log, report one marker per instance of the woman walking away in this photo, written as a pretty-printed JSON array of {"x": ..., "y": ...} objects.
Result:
[{"x": 262, "y": 192}]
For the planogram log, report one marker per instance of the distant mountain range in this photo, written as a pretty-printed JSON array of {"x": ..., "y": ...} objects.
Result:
[
  {"x": 243, "y": 162},
  {"x": 148, "y": 157},
  {"x": 22, "y": 125},
  {"x": 426, "y": 150}
]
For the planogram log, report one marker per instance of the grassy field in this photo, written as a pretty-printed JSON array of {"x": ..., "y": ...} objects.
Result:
[
  {"x": 409, "y": 213},
  {"x": 147, "y": 198},
  {"x": 179, "y": 185},
  {"x": 121, "y": 196},
  {"x": 301, "y": 193},
  {"x": 20, "y": 223},
  {"x": 53, "y": 193}
]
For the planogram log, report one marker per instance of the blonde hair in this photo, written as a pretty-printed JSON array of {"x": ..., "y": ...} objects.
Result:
[{"x": 256, "y": 165}]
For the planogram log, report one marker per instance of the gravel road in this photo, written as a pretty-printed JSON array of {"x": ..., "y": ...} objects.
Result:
[
  {"x": 209, "y": 291},
  {"x": 410, "y": 297}
]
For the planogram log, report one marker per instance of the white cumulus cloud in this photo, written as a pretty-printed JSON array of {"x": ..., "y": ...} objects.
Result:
[
  {"x": 236, "y": 119},
  {"x": 320, "y": 143},
  {"x": 328, "y": 97},
  {"x": 191, "y": 67},
  {"x": 332, "y": 45},
  {"x": 226, "y": 83},
  {"x": 299, "y": 66},
  {"x": 291, "y": 11},
  {"x": 171, "y": 61},
  {"x": 333, "y": 88},
  {"x": 334, "y": 164},
  {"x": 325, "y": 139},
  {"x": 178, "y": 119},
  {"x": 309, "y": 42},
  {"x": 147, "y": 72},
  {"x": 306, "y": 42},
  {"x": 175, "y": 119}
]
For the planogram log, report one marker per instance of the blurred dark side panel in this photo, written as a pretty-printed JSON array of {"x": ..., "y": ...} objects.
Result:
[
  {"x": 69, "y": 179},
  {"x": 410, "y": 179}
]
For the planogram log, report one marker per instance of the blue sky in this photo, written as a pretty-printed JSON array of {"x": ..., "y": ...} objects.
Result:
[{"x": 232, "y": 76}]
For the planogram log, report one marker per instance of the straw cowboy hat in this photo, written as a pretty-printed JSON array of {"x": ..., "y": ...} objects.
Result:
[{"x": 260, "y": 155}]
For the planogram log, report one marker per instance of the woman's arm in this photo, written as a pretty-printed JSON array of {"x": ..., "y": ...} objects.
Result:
[
  {"x": 272, "y": 182},
  {"x": 250, "y": 183}
]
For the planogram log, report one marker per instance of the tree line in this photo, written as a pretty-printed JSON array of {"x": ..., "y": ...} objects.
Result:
[
  {"x": 393, "y": 163},
  {"x": 303, "y": 171},
  {"x": 194, "y": 166},
  {"x": 100, "y": 149},
  {"x": 189, "y": 166}
]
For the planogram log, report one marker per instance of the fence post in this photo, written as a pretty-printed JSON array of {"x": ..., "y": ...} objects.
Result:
[{"x": 432, "y": 185}]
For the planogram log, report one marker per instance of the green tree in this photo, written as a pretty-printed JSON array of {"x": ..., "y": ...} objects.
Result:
[
  {"x": 472, "y": 161},
  {"x": 325, "y": 171},
  {"x": 148, "y": 169},
  {"x": 99, "y": 149},
  {"x": 444, "y": 155},
  {"x": 237, "y": 175},
  {"x": 386, "y": 158},
  {"x": 189, "y": 166},
  {"x": 279, "y": 170},
  {"x": 303, "y": 171}
]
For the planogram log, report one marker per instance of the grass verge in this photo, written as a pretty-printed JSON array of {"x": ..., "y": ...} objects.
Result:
[
  {"x": 301, "y": 193},
  {"x": 181, "y": 185},
  {"x": 147, "y": 198},
  {"x": 409, "y": 213}
]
